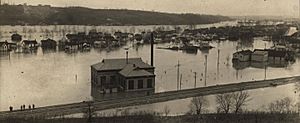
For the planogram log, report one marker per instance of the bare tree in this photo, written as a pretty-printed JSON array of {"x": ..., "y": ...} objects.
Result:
[
  {"x": 281, "y": 106},
  {"x": 89, "y": 112},
  {"x": 239, "y": 100},
  {"x": 232, "y": 101},
  {"x": 198, "y": 105},
  {"x": 166, "y": 110},
  {"x": 224, "y": 102}
]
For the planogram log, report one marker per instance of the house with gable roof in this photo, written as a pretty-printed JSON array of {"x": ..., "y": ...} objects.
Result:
[{"x": 125, "y": 76}]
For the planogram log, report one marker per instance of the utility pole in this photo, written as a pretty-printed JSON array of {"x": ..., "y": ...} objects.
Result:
[
  {"x": 180, "y": 81},
  {"x": 195, "y": 85},
  {"x": 152, "y": 49},
  {"x": 265, "y": 72},
  {"x": 218, "y": 63},
  {"x": 205, "y": 70},
  {"x": 178, "y": 65},
  {"x": 89, "y": 112}
]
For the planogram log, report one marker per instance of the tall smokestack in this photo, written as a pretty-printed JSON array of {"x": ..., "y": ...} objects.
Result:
[{"x": 152, "y": 42}]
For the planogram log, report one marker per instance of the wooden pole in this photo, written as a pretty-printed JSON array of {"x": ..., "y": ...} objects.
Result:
[
  {"x": 180, "y": 81},
  {"x": 265, "y": 72},
  {"x": 205, "y": 73},
  {"x": 152, "y": 51},
  {"x": 195, "y": 85},
  {"x": 218, "y": 63},
  {"x": 178, "y": 65}
]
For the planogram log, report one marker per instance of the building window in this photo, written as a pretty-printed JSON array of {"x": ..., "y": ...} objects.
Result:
[
  {"x": 102, "y": 79},
  {"x": 149, "y": 83},
  {"x": 140, "y": 84},
  {"x": 130, "y": 85},
  {"x": 112, "y": 79}
]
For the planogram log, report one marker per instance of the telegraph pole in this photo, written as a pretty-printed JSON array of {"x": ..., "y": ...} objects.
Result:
[
  {"x": 178, "y": 65},
  {"x": 265, "y": 72},
  {"x": 152, "y": 51},
  {"x": 180, "y": 81},
  {"x": 205, "y": 70},
  {"x": 89, "y": 112},
  {"x": 195, "y": 85},
  {"x": 218, "y": 63}
]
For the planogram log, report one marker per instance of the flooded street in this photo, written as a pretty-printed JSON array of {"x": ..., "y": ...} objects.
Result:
[{"x": 55, "y": 77}]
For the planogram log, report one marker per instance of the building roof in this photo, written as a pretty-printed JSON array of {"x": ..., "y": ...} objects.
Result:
[
  {"x": 275, "y": 53},
  {"x": 3, "y": 43},
  {"x": 260, "y": 51},
  {"x": 29, "y": 41},
  {"x": 245, "y": 52},
  {"x": 291, "y": 31},
  {"x": 131, "y": 70},
  {"x": 118, "y": 64}
]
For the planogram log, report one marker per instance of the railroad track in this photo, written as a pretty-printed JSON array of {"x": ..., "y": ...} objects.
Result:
[{"x": 66, "y": 109}]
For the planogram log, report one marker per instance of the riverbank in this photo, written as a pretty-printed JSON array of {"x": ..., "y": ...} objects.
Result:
[{"x": 149, "y": 118}]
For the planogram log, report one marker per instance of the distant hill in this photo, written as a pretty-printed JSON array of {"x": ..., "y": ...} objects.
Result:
[{"x": 47, "y": 15}]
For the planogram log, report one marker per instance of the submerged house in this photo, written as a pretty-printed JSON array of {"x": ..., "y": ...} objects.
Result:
[
  {"x": 243, "y": 56},
  {"x": 48, "y": 43},
  {"x": 259, "y": 55},
  {"x": 278, "y": 56},
  {"x": 113, "y": 78},
  {"x": 29, "y": 44},
  {"x": 16, "y": 37},
  {"x": 7, "y": 46},
  {"x": 4, "y": 46}
]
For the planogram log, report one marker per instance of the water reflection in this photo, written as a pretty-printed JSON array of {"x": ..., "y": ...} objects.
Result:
[
  {"x": 238, "y": 65},
  {"x": 245, "y": 43}
]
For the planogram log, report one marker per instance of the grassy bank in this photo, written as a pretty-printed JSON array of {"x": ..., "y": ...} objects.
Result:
[{"x": 207, "y": 118}]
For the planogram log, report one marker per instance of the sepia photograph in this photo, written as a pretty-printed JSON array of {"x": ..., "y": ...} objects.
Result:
[{"x": 149, "y": 61}]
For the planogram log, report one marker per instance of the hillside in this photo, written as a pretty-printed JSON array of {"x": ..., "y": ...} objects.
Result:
[{"x": 47, "y": 15}]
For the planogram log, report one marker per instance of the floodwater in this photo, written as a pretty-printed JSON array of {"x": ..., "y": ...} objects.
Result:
[{"x": 54, "y": 77}]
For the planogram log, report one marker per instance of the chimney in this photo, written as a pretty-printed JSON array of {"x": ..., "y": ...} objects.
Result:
[{"x": 152, "y": 42}]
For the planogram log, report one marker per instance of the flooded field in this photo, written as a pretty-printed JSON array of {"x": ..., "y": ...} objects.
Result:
[{"x": 55, "y": 77}]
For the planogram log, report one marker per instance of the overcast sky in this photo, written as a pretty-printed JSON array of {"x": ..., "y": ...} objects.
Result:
[{"x": 221, "y": 7}]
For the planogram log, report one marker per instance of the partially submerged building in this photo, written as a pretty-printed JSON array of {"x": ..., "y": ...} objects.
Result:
[
  {"x": 243, "y": 56},
  {"x": 29, "y": 44},
  {"x": 4, "y": 46},
  {"x": 16, "y": 37},
  {"x": 125, "y": 77},
  {"x": 259, "y": 55}
]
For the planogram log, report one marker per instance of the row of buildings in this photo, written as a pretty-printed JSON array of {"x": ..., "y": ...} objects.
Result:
[{"x": 263, "y": 55}]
